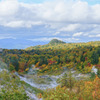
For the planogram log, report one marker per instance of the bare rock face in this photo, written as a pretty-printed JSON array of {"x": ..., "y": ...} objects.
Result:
[{"x": 94, "y": 70}]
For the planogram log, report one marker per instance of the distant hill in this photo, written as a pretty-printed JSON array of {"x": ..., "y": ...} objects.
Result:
[
  {"x": 58, "y": 44},
  {"x": 56, "y": 41},
  {"x": 52, "y": 43}
]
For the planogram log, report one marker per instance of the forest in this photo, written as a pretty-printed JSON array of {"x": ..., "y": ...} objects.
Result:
[
  {"x": 49, "y": 59},
  {"x": 52, "y": 59}
]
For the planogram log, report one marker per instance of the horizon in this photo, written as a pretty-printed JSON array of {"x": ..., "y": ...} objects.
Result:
[
  {"x": 46, "y": 44},
  {"x": 25, "y": 23}
]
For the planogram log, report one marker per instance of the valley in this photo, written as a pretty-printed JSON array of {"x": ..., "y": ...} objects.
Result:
[{"x": 45, "y": 69}]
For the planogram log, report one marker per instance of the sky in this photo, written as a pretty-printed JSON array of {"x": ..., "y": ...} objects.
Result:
[{"x": 25, "y": 23}]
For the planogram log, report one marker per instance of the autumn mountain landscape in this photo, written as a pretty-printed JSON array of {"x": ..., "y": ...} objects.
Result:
[
  {"x": 57, "y": 70},
  {"x": 49, "y": 50}
]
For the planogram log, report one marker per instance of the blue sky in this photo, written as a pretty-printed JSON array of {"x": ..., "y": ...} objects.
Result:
[
  {"x": 33, "y": 1},
  {"x": 25, "y": 23},
  {"x": 91, "y": 2}
]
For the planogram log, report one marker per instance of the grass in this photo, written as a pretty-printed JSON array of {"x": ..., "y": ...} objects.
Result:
[{"x": 52, "y": 72}]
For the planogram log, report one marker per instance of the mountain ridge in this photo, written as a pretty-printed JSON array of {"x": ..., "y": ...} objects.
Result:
[{"x": 58, "y": 44}]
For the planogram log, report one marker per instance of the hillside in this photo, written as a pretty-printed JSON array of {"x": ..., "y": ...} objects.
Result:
[
  {"x": 42, "y": 67},
  {"x": 57, "y": 44},
  {"x": 52, "y": 43}
]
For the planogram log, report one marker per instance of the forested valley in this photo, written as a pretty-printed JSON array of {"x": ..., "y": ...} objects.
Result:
[{"x": 57, "y": 59}]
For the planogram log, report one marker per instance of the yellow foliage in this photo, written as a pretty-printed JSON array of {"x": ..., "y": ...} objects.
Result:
[
  {"x": 37, "y": 64},
  {"x": 26, "y": 69}
]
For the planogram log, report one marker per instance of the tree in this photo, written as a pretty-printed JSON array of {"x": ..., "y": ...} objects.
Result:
[
  {"x": 82, "y": 58},
  {"x": 11, "y": 67},
  {"x": 70, "y": 81},
  {"x": 66, "y": 58},
  {"x": 63, "y": 80},
  {"x": 13, "y": 88},
  {"x": 67, "y": 80},
  {"x": 95, "y": 57},
  {"x": 58, "y": 60},
  {"x": 45, "y": 61},
  {"x": 98, "y": 73},
  {"x": 98, "y": 51},
  {"x": 92, "y": 77},
  {"x": 82, "y": 66},
  {"x": 15, "y": 63},
  {"x": 37, "y": 64}
]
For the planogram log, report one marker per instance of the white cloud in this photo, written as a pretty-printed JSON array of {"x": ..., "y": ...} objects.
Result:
[
  {"x": 70, "y": 39},
  {"x": 62, "y": 15},
  {"x": 15, "y": 24},
  {"x": 78, "y": 34},
  {"x": 97, "y": 35},
  {"x": 6, "y": 36},
  {"x": 64, "y": 34},
  {"x": 45, "y": 39},
  {"x": 70, "y": 27},
  {"x": 8, "y": 7},
  {"x": 56, "y": 33}
]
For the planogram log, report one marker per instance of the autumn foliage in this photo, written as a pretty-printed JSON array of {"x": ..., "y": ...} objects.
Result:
[{"x": 86, "y": 90}]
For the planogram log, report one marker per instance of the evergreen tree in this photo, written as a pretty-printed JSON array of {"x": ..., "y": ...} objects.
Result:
[
  {"x": 15, "y": 63},
  {"x": 95, "y": 57},
  {"x": 67, "y": 80},
  {"x": 58, "y": 60},
  {"x": 82, "y": 58},
  {"x": 98, "y": 51},
  {"x": 98, "y": 73}
]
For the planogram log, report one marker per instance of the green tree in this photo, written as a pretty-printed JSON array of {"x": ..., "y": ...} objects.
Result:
[
  {"x": 66, "y": 58},
  {"x": 58, "y": 60},
  {"x": 82, "y": 58},
  {"x": 98, "y": 51},
  {"x": 67, "y": 80},
  {"x": 15, "y": 63},
  {"x": 98, "y": 73},
  {"x": 11, "y": 67},
  {"x": 92, "y": 77},
  {"x": 12, "y": 87},
  {"x": 95, "y": 57}
]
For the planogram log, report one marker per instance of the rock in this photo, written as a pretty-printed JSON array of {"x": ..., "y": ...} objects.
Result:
[
  {"x": 44, "y": 76},
  {"x": 94, "y": 70}
]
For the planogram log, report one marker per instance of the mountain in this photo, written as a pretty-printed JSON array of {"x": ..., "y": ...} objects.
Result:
[
  {"x": 58, "y": 44},
  {"x": 56, "y": 41},
  {"x": 53, "y": 43}
]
